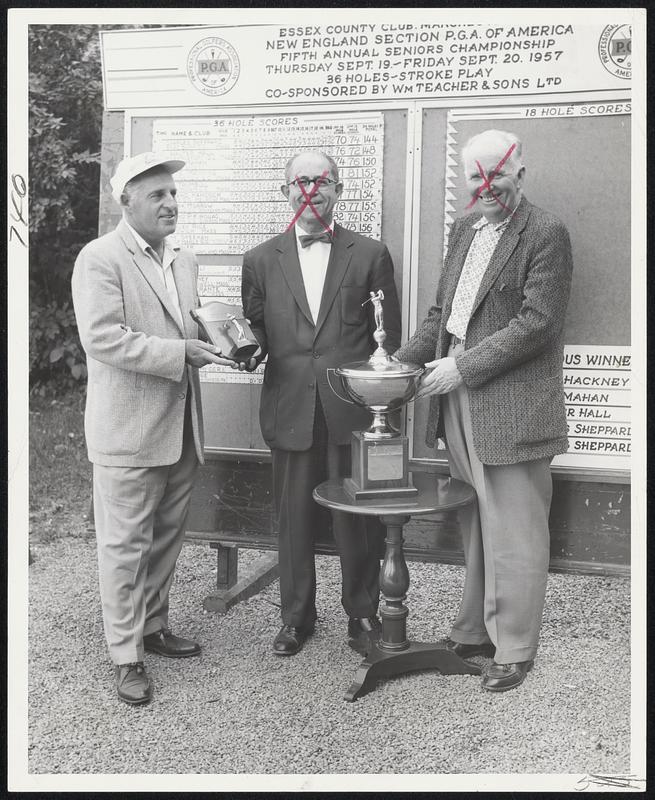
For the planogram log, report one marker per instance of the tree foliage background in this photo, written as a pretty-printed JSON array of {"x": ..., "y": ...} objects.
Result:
[{"x": 65, "y": 124}]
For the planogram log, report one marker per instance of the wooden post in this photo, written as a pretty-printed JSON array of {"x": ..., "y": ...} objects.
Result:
[{"x": 227, "y": 561}]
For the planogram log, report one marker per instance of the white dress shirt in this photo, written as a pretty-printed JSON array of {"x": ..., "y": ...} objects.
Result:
[
  {"x": 164, "y": 268},
  {"x": 313, "y": 265}
]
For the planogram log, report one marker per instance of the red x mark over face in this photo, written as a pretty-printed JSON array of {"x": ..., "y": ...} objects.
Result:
[
  {"x": 486, "y": 181},
  {"x": 308, "y": 202}
]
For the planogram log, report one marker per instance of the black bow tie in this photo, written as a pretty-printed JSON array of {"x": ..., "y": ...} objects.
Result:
[{"x": 324, "y": 236}]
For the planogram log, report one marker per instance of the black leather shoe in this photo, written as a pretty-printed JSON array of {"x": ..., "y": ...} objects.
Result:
[
  {"x": 165, "y": 644},
  {"x": 358, "y": 627},
  {"x": 470, "y": 650},
  {"x": 133, "y": 684},
  {"x": 503, "y": 677},
  {"x": 290, "y": 640}
]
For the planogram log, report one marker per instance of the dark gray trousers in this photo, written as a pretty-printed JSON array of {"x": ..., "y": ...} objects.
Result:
[{"x": 358, "y": 538}]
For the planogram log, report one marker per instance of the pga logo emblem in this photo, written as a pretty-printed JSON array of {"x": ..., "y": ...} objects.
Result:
[
  {"x": 213, "y": 66},
  {"x": 615, "y": 50}
]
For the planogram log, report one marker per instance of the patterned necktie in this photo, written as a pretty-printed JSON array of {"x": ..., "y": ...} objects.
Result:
[
  {"x": 477, "y": 260},
  {"x": 310, "y": 238}
]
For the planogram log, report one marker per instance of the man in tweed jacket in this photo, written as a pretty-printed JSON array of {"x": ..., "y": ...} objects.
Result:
[
  {"x": 494, "y": 349},
  {"x": 132, "y": 292}
]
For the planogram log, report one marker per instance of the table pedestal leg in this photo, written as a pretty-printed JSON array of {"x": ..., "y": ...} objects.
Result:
[{"x": 393, "y": 654}]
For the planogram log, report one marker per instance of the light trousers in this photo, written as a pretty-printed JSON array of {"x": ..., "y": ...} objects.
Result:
[
  {"x": 506, "y": 542},
  {"x": 140, "y": 516}
]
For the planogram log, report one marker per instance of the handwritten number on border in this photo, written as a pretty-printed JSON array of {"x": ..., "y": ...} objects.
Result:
[{"x": 18, "y": 192}]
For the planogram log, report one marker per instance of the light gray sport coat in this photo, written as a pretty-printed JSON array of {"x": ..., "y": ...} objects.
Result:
[
  {"x": 512, "y": 362},
  {"x": 138, "y": 380}
]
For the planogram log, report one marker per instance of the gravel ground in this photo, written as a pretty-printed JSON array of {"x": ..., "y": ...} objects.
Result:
[{"x": 239, "y": 709}]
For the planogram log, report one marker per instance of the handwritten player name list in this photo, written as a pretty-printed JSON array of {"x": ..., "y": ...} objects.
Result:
[
  {"x": 229, "y": 189},
  {"x": 597, "y": 389}
]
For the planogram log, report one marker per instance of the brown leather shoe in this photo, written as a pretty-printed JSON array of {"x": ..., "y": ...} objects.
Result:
[
  {"x": 132, "y": 683},
  {"x": 369, "y": 627},
  {"x": 470, "y": 650},
  {"x": 290, "y": 640},
  {"x": 165, "y": 644},
  {"x": 503, "y": 677}
]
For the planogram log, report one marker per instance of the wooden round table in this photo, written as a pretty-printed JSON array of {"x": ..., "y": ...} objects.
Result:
[{"x": 393, "y": 653}]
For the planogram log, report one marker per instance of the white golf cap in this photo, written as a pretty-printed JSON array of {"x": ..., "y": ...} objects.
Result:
[{"x": 131, "y": 167}]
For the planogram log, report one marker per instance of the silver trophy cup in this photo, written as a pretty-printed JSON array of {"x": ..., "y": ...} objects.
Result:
[{"x": 382, "y": 385}]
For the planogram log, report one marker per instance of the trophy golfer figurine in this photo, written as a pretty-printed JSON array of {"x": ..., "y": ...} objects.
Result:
[
  {"x": 376, "y": 298},
  {"x": 379, "y": 334},
  {"x": 240, "y": 332}
]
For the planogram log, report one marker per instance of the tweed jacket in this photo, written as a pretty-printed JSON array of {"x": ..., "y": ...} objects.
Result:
[
  {"x": 512, "y": 361},
  {"x": 138, "y": 380},
  {"x": 299, "y": 351}
]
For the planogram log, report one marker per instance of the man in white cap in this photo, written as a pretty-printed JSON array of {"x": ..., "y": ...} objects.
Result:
[{"x": 133, "y": 293}]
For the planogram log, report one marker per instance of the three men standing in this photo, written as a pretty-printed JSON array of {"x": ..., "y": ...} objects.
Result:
[
  {"x": 303, "y": 292},
  {"x": 496, "y": 385},
  {"x": 132, "y": 293},
  {"x": 494, "y": 348}
]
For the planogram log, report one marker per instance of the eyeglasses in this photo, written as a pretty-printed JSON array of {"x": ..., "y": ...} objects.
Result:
[{"x": 305, "y": 182}]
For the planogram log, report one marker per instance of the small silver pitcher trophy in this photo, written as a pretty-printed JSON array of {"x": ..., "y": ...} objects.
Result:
[{"x": 225, "y": 327}]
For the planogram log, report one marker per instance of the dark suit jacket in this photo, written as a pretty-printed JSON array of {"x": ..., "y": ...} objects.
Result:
[
  {"x": 299, "y": 352},
  {"x": 512, "y": 363}
]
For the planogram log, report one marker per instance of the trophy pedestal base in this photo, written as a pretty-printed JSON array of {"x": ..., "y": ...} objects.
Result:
[
  {"x": 356, "y": 493},
  {"x": 379, "y": 468}
]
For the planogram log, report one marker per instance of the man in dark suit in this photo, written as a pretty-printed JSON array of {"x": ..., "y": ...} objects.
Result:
[
  {"x": 493, "y": 346},
  {"x": 303, "y": 293}
]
